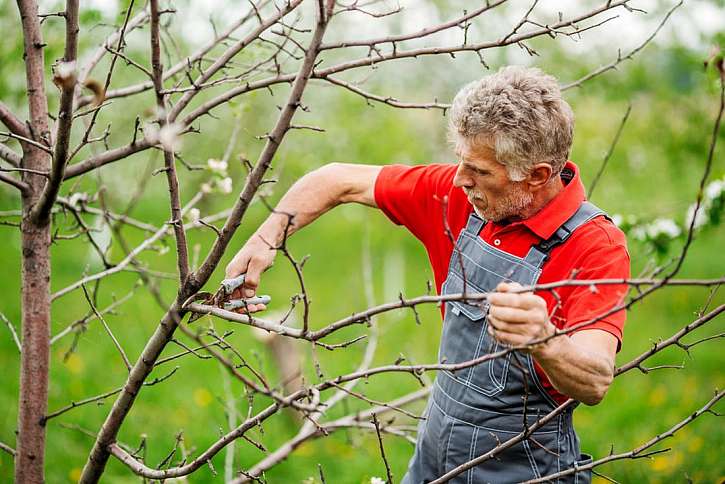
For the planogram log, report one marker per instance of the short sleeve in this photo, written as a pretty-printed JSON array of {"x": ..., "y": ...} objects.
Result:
[
  {"x": 593, "y": 307},
  {"x": 412, "y": 196}
]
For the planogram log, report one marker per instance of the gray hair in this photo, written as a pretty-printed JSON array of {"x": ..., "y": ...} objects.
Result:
[{"x": 521, "y": 113}]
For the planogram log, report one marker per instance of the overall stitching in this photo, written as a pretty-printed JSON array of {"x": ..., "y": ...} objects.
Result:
[
  {"x": 532, "y": 462},
  {"x": 448, "y": 445},
  {"x": 505, "y": 256},
  {"x": 471, "y": 453},
  {"x": 559, "y": 435},
  {"x": 537, "y": 382},
  {"x": 490, "y": 429}
]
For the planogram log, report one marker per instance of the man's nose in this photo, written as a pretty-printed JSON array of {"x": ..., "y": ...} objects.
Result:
[{"x": 461, "y": 179}]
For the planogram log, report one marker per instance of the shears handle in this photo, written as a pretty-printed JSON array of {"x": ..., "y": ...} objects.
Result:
[
  {"x": 230, "y": 285},
  {"x": 240, "y": 303}
]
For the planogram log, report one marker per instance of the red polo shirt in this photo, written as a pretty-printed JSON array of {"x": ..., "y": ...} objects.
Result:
[{"x": 411, "y": 196}]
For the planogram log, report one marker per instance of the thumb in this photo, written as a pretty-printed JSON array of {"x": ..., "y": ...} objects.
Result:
[{"x": 508, "y": 286}]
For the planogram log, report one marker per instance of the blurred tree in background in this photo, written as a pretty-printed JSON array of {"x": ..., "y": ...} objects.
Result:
[{"x": 650, "y": 117}]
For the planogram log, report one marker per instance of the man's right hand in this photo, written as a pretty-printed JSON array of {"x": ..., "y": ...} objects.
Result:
[{"x": 252, "y": 259}]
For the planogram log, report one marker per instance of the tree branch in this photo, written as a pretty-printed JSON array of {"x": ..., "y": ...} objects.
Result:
[
  {"x": 12, "y": 332},
  {"x": 41, "y": 211},
  {"x": 417, "y": 34},
  {"x": 12, "y": 122},
  {"x": 621, "y": 58},
  {"x": 229, "y": 54},
  {"x": 593, "y": 184},
  {"x": 182, "y": 250},
  {"x": 7, "y": 154},
  {"x": 22, "y": 186},
  {"x": 181, "y": 65}
]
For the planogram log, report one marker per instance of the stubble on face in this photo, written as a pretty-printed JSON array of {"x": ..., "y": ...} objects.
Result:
[{"x": 509, "y": 206}]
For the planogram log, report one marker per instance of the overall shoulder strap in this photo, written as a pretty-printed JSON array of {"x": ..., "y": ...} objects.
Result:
[
  {"x": 540, "y": 252},
  {"x": 475, "y": 224}
]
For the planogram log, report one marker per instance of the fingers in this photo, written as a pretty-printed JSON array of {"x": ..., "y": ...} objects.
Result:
[
  {"x": 251, "y": 308},
  {"x": 499, "y": 330},
  {"x": 255, "y": 267},
  {"x": 515, "y": 333},
  {"x": 514, "y": 300},
  {"x": 508, "y": 286},
  {"x": 517, "y": 318},
  {"x": 512, "y": 315},
  {"x": 238, "y": 265},
  {"x": 251, "y": 260}
]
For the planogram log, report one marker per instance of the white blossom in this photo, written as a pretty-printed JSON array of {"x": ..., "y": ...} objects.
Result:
[
  {"x": 218, "y": 166},
  {"x": 714, "y": 189},
  {"x": 225, "y": 185},
  {"x": 206, "y": 188},
  {"x": 194, "y": 214},
  {"x": 617, "y": 219},
  {"x": 65, "y": 74},
  {"x": 376, "y": 480},
  {"x": 169, "y": 136},
  {"x": 639, "y": 233},
  {"x": 700, "y": 218},
  {"x": 664, "y": 226}
]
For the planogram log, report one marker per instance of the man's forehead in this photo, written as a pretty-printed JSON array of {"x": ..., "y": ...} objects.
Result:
[{"x": 469, "y": 149}]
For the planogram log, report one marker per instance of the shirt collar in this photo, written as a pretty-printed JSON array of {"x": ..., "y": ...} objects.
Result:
[{"x": 547, "y": 220}]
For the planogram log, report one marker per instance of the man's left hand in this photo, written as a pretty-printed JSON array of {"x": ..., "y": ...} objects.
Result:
[{"x": 517, "y": 318}]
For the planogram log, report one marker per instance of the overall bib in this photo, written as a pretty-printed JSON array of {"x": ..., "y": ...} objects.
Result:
[{"x": 471, "y": 411}]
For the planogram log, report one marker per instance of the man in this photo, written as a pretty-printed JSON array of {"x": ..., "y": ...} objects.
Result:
[{"x": 516, "y": 210}]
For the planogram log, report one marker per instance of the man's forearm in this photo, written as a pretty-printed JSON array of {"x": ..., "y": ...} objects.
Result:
[
  {"x": 316, "y": 193},
  {"x": 573, "y": 369},
  {"x": 311, "y": 196}
]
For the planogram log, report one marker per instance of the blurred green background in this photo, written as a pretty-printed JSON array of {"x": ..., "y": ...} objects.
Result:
[{"x": 653, "y": 172}]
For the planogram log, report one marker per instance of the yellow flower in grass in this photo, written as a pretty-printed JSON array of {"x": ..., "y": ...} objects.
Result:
[
  {"x": 695, "y": 444},
  {"x": 658, "y": 396},
  {"x": 666, "y": 462},
  {"x": 202, "y": 397},
  {"x": 75, "y": 474},
  {"x": 75, "y": 363}
]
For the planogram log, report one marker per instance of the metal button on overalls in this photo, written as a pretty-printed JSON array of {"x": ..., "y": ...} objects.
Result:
[{"x": 474, "y": 409}]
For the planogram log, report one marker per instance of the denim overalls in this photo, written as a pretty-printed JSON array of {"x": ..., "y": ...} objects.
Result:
[{"x": 471, "y": 411}]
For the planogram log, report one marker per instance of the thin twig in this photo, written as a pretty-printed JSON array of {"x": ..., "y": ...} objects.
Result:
[
  {"x": 107, "y": 328},
  {"x": 593, "y": 184},
  {"x": 13, "y": 332}
]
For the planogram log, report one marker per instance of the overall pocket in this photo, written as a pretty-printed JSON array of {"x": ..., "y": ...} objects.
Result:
[
  {"x": 465, "y": 338},
  {"x": 520, "y": 462}
]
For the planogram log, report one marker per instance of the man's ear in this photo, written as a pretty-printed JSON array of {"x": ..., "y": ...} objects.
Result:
[{"x": 539, "y": 175}]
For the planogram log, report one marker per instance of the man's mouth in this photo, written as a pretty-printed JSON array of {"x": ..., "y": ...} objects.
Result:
[{"x": 474, "y": 198}]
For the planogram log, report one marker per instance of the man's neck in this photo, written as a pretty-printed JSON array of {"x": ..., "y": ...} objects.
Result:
[{"x": 542, "y": 197}]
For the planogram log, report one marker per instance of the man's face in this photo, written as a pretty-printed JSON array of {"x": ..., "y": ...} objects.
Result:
[{"x": 486, "y": 182}]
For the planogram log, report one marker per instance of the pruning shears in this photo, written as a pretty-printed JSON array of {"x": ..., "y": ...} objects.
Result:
[{"x": 219, "y": 299}]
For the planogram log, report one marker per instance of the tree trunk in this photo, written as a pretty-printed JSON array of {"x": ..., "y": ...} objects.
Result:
[{"x": 33, "y": 400}]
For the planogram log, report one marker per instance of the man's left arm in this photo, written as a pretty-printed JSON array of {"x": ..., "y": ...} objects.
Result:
[{"x": 580, "y": 365}]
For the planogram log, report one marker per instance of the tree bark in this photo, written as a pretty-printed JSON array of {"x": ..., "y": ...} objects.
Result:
[{"x": 33, "y": 400}]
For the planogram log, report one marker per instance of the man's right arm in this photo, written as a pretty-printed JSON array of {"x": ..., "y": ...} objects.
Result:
[{"x": 311, "y": 196}]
